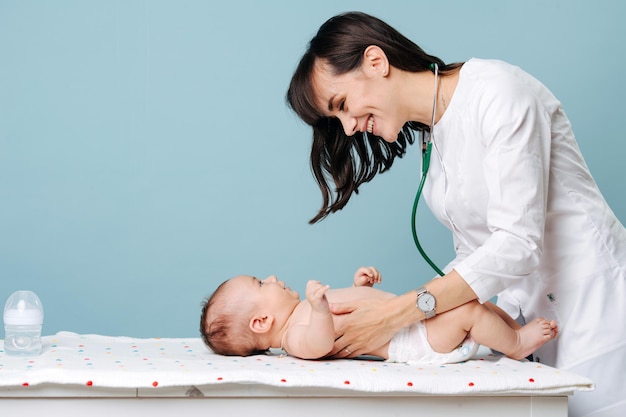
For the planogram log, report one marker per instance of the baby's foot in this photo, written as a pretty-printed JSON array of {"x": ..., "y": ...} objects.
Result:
[{"x": 534, "y": 335}]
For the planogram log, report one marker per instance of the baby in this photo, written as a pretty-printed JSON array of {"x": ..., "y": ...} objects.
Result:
[{"x": 247, "y": 316}]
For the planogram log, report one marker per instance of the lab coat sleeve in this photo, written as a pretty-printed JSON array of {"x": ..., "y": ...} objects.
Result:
[
  {"x": 514, "y": 125},
  {"x": 461, "y": 250}
]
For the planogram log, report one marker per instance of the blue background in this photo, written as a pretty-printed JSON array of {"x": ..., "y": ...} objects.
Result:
[{"x": 147, "y": 154}]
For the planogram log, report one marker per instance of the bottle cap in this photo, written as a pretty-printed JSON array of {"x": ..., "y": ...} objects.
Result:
[{"x": 23, "y": 308}]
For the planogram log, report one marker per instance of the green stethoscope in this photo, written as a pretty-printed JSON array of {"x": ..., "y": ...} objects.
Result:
[{"x": 426, "y": 149}]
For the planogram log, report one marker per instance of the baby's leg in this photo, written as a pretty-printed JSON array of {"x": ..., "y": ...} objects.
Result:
[
  {"x": 532, "y": 336},
  {"x": 488, "y": 329},
  {"x": 446, "y": 331}
]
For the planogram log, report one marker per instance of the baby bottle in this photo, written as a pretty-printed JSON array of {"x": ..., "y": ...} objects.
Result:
[{"x": 23, "y": 319}]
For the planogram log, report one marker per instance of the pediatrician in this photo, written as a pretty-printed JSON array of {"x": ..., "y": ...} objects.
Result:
[{"x": 504, "y": 174}]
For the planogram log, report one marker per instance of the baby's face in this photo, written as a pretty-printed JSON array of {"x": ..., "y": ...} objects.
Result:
[{"x": 269, "y": 292}]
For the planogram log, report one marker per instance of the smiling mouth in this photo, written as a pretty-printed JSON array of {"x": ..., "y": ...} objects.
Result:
[{"x": 370, "y": 124}]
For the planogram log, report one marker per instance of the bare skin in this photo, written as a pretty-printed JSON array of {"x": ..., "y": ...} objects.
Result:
[
  {"x": 307, "y": 328},
  {"x": 490, "y": 327},
  {"x": 486, "y": 323},
  {"x": 445, "y": 331},
  {"x": 364, "y": 325}
]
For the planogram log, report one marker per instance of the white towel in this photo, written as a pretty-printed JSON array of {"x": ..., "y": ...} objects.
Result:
[{"x": 123, "y": 362}]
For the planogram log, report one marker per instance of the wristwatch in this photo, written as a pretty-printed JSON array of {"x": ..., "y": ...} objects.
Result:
[{"x": 426, "y": 302}]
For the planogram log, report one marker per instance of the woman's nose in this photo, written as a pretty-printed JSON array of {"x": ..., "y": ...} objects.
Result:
[{"x": 350, "y": 124}]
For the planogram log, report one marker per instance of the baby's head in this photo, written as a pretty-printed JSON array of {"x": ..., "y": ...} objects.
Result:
[
  {"x": 224, "y": 322},
  {"x": 238, "y": 318}
]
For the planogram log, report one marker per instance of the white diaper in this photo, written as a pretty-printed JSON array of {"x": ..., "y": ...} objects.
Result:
[{"x": 411, "y": 345}]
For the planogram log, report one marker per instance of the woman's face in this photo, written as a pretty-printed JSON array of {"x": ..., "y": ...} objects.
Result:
[{"x": 362, "y": 100}]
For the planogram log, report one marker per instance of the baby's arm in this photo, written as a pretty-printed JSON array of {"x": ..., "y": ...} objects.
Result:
[
  {"x": 366, "y": 277},
  {"x": 315, "y": 339}
]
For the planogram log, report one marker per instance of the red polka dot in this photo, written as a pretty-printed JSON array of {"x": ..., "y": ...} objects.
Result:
[
  {"x": 219, "y": 378},
  {"x": 283, "y": 380},
  {"x": 155, "y": 383},
  {"x": 410, "y": 384},
  {"x": 471, "y": 384},
  {"x": 89, "y": 383},
  {"x": 346, "y": 382},
  {"x": 531, "y": 380},
  {"x": 25, "y": 384}
]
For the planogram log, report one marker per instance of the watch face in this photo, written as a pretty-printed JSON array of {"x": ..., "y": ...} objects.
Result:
[{"x": 426, "y": 302}]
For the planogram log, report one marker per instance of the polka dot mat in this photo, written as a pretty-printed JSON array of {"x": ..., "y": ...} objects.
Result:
[{"x": 122, "y": 362}]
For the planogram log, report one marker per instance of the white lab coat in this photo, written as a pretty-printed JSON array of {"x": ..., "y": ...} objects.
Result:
[{"x": 530, "y": 225}]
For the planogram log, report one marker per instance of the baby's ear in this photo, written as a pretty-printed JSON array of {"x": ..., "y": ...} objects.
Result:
[{"x": 261, "y": 323}]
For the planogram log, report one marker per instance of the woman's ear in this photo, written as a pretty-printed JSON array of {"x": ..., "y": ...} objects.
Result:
[
  {"x": 261, "y": 323},
  {"x": 375, "y": 61}
]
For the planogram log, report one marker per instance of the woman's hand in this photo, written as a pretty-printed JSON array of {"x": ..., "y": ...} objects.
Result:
[
  {"x": 366, "y": 325},
  {"x": 361, "y": 327}
]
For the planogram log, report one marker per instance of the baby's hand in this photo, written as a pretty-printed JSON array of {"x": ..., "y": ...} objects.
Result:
[
  {"x": 316, "y": 295},
  {"x": 367, "y": 277}
]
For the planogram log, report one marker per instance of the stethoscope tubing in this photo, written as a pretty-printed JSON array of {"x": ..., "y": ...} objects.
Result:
[
  {"x": 426, "y": 150},
  {"x": 425, "y": 164}
]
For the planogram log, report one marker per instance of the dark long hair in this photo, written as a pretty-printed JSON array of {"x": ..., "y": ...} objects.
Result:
[{"x": 351, "y": 161}]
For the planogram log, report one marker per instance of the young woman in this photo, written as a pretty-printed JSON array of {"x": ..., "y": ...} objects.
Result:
[{"x": 506, "y": 177}]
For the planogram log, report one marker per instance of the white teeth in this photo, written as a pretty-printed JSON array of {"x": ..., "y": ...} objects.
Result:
[{"x": 370, "y": 124}]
